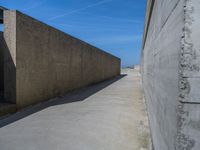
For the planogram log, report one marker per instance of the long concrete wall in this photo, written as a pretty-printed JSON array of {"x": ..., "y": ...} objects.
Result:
[
  {"x": 170, "y": 69},
  {"x": 48, "y": 62}
]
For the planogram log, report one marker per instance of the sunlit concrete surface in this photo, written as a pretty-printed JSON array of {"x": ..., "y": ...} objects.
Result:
[
  {"x": 41, "y": 62},
  {"x": 107, "y": 116},
  {"x": 171, "y": 73}
]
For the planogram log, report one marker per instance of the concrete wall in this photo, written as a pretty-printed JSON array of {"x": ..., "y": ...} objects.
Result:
[
  {"x": 48, "y": 62},
  {"x": 171, "y": 47},
  {"x": 1, "y": 63},
  {"x": 189, "y": 83}
]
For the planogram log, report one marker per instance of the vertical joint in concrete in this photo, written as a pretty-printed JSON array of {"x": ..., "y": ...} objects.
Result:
[{"x": 187, "y": 54}]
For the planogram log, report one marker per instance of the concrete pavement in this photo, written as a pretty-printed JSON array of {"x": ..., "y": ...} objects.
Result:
[{"x": 108, "y": 116}]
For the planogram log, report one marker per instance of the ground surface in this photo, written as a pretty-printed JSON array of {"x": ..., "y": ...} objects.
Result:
[{"x": 107, "y": 116}]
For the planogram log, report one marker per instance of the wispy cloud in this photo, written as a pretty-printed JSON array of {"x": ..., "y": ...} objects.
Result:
[
  {"x": 85, "y": 26},
  {"x": 118, "y": 39},
  {"x": 34, "y": 5},
  {"x": 80, "y": 9},
  {"x": 112, "y": 18}
]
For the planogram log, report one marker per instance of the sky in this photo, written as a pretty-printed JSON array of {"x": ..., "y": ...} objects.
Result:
[{"x": 115, "y": 26}]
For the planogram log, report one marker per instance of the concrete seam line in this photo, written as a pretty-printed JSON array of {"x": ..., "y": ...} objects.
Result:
[
  {"x": 174, "y": 8},
  {"x": 184, "y": 102}
]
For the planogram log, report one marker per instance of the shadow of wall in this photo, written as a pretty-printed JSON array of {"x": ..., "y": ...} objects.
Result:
[
  {"x": 7, "y": 73},
  {"x": 1, "y": 64},
  {"x": 74, "y": 96}
]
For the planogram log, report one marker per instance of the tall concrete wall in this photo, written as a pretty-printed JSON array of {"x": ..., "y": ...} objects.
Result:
[
  {"x": 170, "y": 69},
  {"x": 48, "y": 62},
  {"x": 1, "y": 63}
]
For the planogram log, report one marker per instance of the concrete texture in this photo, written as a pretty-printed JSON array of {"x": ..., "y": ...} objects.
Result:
[
  {"x": 1, "y": 64},
  {"x": 10, "y": 57},
  {"x": 107, "y": 116},
  {"x": 189, "y": 95},
  {"x": 170, "y": 69},
  {"x": 43, "y": 62},
  {"x": 160, "y": 71}
]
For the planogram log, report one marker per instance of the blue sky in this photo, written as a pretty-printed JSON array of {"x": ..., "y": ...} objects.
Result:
[{"x": 115, "y": 26}]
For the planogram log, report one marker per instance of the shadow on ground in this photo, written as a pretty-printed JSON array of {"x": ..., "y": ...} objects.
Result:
[{"x": 74, "y": 96}]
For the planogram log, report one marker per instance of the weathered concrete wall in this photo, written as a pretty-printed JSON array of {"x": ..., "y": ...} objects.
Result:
[
  {"x": 160, "y": 74},
  {"x": 1, "y": 63},
  {"x": 170, "y": 68},
  {"x": 189, "y": 82},
  {"x": 48, "y": 62}
]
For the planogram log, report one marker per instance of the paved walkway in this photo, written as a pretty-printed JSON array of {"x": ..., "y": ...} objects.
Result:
[{"x": 107, "y": 116}]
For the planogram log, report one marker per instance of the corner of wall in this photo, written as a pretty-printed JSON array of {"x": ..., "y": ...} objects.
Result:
[{"x": 10, "y": 56}]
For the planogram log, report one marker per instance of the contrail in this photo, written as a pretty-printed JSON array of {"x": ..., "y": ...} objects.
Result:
[
  {"x": 81, "y": 9},
  {"x": 35, "y": 6},
  {"x": 118, "y": 19}
]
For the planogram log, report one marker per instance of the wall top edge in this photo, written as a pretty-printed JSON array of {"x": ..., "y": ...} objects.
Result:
[
  {"x": 150, "y": 4},
  {"x": 21, "y": 13}
]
